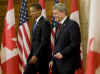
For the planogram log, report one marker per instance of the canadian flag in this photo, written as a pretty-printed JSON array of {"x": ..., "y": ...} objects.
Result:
[
  {"x": 93, "y": 54},
  {"x": 74, "y": 11},
  {"x": 9, "y": 53},
  {"x": 42, "y": 3},
  {"x": 75, "y": 16}
]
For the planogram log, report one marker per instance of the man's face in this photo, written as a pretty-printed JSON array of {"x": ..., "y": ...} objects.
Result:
[
  {"x": 58, "y": 15},
  {"x": 34, "y": 12}
]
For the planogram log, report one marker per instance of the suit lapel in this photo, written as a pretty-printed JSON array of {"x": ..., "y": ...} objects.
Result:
[
  {"x": 41, "y": 19},
  {"x": 39, "y": 22}
]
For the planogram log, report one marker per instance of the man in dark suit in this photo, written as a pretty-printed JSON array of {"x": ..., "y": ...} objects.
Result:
[
  {"x": 66, "y": 54},
  {"x": 39, "y": 56}
]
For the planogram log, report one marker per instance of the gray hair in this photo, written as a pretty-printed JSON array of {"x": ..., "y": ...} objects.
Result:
[{"x": 61, "y": 7}]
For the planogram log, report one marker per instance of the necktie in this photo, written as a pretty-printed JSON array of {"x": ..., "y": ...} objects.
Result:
[
  {"x": 58, "y": 27},
  {"x": 34, "y": 27}
]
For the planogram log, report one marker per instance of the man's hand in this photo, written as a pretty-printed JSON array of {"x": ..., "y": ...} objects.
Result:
[
  {"x": 33, "y": 60},
  {"x": 58, "y": 56},
  {"x": 50, "y": 65}
]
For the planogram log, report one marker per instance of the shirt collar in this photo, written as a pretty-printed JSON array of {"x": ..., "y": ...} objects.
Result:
[
  {"x": 38, "y": 18},
  {"x": 62, "y": 21}
]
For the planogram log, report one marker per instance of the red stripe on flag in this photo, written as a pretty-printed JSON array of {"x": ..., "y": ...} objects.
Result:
[
  {"x": 52, "y": 46},
  {"x": 18, "y": 41},
  {"x": 52, "y": 33},
  {"x": 22, "y": 62},
  {"x": 19, "y": 32},
  {"x": 25, "y": 52},
  {"x": 26, "y": 36},
  {"x": 23, "y": 47},
  {"x": 19, "y": 46}
]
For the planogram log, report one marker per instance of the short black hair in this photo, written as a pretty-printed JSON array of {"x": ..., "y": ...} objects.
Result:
[{"x": 37, "y": 6}]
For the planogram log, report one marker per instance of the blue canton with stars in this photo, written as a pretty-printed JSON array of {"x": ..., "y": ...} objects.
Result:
[{"x": 23, "y": 12}]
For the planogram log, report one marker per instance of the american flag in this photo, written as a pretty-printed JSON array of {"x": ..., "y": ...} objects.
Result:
[
  {"x": 23, "y": 35},
  {"x": 53, "y": 29}
]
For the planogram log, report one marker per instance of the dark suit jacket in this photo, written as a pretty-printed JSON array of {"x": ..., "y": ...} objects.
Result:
[
  {"x": 67, "y": 42},
  {"x": 40, "y": 46}
]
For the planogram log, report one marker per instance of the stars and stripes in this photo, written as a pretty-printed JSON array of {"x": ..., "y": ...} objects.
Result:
[
  {"x": 53, "y": 30},
  {"x": 23, "y": 41}
]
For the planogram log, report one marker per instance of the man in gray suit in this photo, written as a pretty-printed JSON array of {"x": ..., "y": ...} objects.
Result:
[{"x": 66, "y": 54}]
